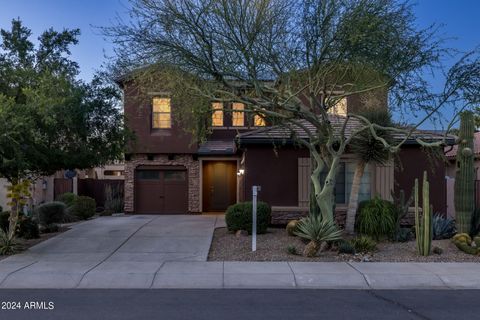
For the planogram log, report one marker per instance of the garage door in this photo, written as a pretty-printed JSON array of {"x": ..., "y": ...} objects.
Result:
[{"x": 162, "y": 190}]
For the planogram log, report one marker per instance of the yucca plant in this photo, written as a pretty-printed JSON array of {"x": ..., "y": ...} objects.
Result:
[
  {"x": 8, "y": 245},
  {"x": 317, "y": 230}
]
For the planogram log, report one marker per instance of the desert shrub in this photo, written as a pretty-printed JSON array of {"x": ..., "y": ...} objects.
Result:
[
  {"x": 291, "y": 227},
  {"x": 114, "y": 198},
  {"x": 8, "y": 246},
  {"x": 105, "y": 213},
  {"x": 376, "y": 218},
  {"x": 51, "y": 212},
  {"x": 364, "y": 244},
  {"x": 239, "y": 217},
  {"x": 403, "y": 235},
  {"x": 50, "y": 228},
  {"x": 83, "y": 208},
  {"x": 291, "y": 249},
  {"x": 313, "y": 228},
  {"x": 67, "y": 198},
  {"x": 28, "y": 228},
  {"x": 443, "y": 227},
  {"x": 345, "y": 246}
]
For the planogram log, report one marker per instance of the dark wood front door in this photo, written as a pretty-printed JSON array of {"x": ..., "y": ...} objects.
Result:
[
  {"x": 219, "y": 185},
  {"x": 161, "y": 191}
]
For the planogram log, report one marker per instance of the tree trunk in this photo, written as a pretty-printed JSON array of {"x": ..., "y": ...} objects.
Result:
[
  {"x": 353, "y": 200},
  {"x": 325, "y": 195}
]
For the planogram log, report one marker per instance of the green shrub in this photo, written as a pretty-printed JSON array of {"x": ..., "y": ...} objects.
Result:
[
  {"x": 364, "y": 244},
  {"x": 313, "y": 228},
  {"x": 291, "y": 249},
  {"x": 403, "y": 235},
  {"x": 83, "y": 208},
  {"x": 67, "y": 198},
  {"x": 345, "y": 246},
  {"x": 376, "y": 218},
  {"x": 28, "y": 228},
  {"x": 51, "y": 212},
  {"x": 239, "y": 217}
]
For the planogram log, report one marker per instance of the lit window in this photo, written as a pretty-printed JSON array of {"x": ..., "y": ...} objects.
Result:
[
  {"x": 162, "y": 116},
  {"x": 258, "y": 120},
  {"x": 340, "y": 108},
  {"x": 238, "y": 115},
  {"x": 217, "y": 114}
]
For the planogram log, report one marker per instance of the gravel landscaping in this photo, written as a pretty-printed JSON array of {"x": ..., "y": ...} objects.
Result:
[
  {"x": 272, "y": 246},
  {"x": 25, "y": 244}
]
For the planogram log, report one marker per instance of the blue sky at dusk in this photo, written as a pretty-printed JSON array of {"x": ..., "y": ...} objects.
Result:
[{"x": 461, "y": 19}]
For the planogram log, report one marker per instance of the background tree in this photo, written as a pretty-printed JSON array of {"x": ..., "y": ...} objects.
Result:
[
  {"x": 49, "y": 120},
  {"x": 292, "y": 62}
]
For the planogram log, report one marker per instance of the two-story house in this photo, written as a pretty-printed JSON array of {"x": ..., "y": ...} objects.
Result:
[{"x": 165, "y": 173}]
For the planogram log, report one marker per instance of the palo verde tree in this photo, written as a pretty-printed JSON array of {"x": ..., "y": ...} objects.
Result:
[
  {"x": 50, "y": 120},
  {"x": 291, "y": 62}
]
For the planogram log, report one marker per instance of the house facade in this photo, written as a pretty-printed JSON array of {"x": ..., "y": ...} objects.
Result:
[{"x": 165, "y": 173}]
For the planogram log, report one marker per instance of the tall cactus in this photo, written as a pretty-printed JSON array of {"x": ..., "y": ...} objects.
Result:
[
  {"x": 423, "y": 224},
  {"x": 465, "y": 175}
]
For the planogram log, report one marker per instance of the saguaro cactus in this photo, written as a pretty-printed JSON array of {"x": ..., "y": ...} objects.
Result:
[
  {"x": 465, "y": 175},
  {"x": 423, "y": 224}
]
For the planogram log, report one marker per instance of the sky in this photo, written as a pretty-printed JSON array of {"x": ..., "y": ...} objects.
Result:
[{"x": 460, "y": 19}]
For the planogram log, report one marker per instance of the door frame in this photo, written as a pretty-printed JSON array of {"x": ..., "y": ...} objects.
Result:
[{"x": 231, "y": 159}]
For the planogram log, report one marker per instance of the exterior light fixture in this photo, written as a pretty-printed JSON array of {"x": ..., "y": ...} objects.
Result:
[{"x": 241, "y": 172}]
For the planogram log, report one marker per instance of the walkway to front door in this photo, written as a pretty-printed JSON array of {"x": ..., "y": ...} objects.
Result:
[{"x": 111, "y": 252}]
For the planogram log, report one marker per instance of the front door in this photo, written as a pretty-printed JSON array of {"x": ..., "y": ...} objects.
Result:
[{"x": 219, "y": 185}]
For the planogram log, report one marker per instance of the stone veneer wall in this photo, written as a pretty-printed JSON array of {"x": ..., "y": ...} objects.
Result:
[{"x": 193, "y": 174}]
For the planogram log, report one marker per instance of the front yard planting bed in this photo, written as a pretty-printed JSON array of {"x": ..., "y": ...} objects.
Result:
[
  {"x": 25, "y": 244},
  {"x": 272, "y": 246}
]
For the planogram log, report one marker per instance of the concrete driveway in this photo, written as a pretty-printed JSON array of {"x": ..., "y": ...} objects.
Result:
[{"x": 123, "y": 252}]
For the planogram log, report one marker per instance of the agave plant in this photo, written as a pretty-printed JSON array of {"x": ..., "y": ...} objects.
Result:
[
  {"x": 317, "y": 230},
  {"x": 443, "y": 227}
]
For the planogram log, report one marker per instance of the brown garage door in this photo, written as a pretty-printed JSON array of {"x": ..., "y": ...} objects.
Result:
[{"x": 161, "y": 190}]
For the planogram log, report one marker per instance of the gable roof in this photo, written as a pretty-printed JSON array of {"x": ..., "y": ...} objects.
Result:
[
  {"x": 286, "y": 135},
  {"x": 451, "y": 152}
]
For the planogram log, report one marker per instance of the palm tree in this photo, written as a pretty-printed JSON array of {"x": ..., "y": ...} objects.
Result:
[{"x": 369, "y": 150}]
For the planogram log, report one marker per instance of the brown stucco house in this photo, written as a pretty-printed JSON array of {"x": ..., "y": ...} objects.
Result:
[{"x": 165, "y": 173}]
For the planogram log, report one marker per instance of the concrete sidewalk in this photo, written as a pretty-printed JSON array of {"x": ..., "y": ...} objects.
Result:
[
  {"x": 288, "y": 275},
  {"x": 171, "y": 252}
]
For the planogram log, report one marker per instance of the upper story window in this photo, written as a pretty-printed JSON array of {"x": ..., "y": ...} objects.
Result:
[
  {"x": 161, "y": 113},
  {"x": 217, "y": 114},
  {"x": 238, "y": 114},
  {"x": 340, "y": 108}
]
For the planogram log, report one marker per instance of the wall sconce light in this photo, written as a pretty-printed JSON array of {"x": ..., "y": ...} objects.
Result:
[
  {"x": 44, "y": 184},
  {"x": 241, "y": 172}
]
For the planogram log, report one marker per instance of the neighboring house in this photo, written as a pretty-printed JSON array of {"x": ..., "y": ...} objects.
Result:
[
  {"x": 46, "y": 189},
  {"x": 451, "y": 153},
  {"x": 166, "y": 174}
]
